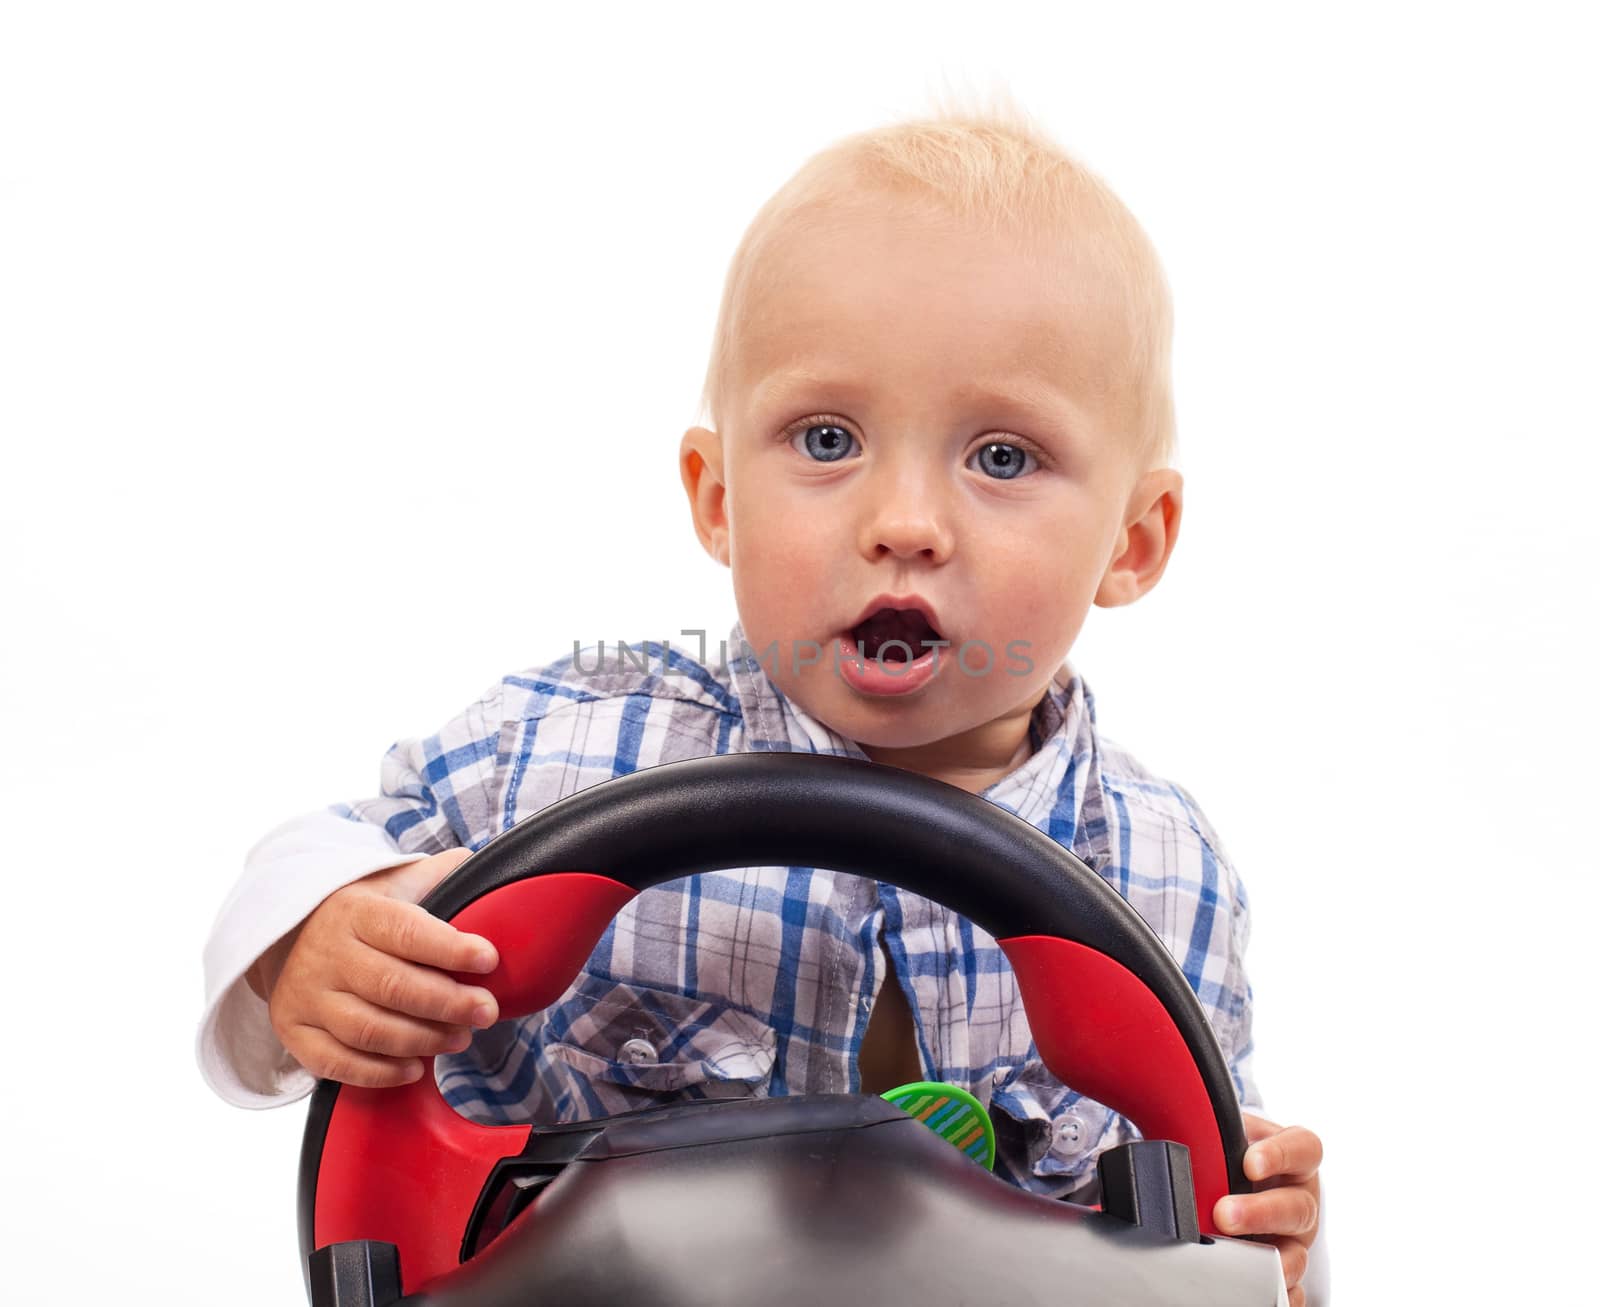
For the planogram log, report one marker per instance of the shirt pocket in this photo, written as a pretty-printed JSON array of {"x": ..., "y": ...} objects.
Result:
[{"x": 640, "y": 1047}]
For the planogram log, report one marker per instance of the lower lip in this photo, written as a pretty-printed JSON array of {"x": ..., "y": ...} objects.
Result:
[{"x": 864, "y": 674}]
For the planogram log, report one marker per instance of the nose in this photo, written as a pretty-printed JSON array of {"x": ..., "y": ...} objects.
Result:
[{"x": 906, "y": 518}]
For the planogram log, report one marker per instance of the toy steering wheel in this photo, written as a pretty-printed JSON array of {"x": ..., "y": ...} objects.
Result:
[{"x": 1109, "y": 1009}]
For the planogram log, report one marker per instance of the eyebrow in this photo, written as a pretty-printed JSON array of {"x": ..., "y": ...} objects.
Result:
[
  {"x": 1030, "y": 399},
  {"x": 779, "y": 385}
]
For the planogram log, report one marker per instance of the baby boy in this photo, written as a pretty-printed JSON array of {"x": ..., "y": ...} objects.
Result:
[{"x": 939, "y": 429}]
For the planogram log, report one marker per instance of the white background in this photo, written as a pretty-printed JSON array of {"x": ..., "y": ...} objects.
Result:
[{"x": 344, "y": 353}]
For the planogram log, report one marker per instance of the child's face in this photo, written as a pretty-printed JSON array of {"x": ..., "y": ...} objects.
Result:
[{"x": 927, "y": 347}]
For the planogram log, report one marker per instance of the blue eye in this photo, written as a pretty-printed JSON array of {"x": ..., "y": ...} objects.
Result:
[
  {"x": 827, "y": 442},
  {"x": 1003, "y": 462}
]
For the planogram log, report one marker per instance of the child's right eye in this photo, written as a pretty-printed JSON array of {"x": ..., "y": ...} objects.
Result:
[{"x": 822, "y": 439}]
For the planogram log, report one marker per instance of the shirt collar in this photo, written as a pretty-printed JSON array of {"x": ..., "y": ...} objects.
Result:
[{"x": 1057, "y": 789}]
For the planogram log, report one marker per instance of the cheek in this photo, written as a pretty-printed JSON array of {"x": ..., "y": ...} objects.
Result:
[
  {"x": 781, "y": 529},
  {"x": 1059, "y": 547},
  {"x": 781, "y": 563},
  {"x": 777, "y": 547},
  {"x": 1039, "y": 589}
]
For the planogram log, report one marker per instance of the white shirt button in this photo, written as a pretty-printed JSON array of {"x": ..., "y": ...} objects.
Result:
[
  {"x": 638, "y": 1052},
  {"x": 1072, "y": 1135}
]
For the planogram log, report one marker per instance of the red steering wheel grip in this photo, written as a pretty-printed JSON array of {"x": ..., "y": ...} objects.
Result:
[
  {"x": 544, "y": 930},
  {"x": 1100, "y": 1030},
  {"x": 399, "y": 1164},
  {"x": 1111, "y": 1012}
]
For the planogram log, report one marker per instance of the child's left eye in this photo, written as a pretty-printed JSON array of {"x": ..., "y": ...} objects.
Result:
[{"x": 1002, "y": 461}]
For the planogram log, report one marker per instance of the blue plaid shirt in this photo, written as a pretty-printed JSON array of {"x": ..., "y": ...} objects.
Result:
[{"x": 697, "y": 989}]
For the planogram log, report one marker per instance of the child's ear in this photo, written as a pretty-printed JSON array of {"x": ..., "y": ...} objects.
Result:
[
  {"x": 1149, "y": 531},
  {"x": 700, "y": 466}
]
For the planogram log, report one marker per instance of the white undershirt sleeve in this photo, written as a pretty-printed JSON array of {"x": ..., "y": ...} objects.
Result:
[{"x": 286, "y": 875}]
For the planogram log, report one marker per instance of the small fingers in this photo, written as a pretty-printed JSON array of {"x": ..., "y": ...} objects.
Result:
[
  {"x": 365, "y": 1027},
  {"x": 1289, "y": 1211},
  {"x": 325, "y": 1057},
  {"x": 421, "y": 991},
  {"x": 404, "y": 930},
  {"x": 1294, "y": 1153},
  {"x": 1294, "y": 1256},
  {"x": 413, "y": 881}
]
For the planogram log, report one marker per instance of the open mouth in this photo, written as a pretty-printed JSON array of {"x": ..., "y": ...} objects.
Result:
[{"x": 899, "y": 634}]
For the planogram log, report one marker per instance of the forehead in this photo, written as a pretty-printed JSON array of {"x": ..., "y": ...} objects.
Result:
[{"x": 889, "y": 294}]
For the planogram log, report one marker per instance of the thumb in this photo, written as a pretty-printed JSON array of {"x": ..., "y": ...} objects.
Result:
[{"x": 414, "y": 881}]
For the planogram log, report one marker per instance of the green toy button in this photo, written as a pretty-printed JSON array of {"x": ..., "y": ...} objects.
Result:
[{"x": 951, "y": 1113}]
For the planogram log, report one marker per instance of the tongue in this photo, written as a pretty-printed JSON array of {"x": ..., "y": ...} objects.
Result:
[{"x": 887, "y": 624}]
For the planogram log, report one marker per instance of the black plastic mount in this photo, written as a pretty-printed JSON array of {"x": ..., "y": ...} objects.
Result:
[
  {"x": 362, "y": 1273},
  {"x": 1149, "y": 1183},
  {"x": 515, "y": 1182}
]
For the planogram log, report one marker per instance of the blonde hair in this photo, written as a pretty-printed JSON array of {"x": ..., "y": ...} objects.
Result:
[{"x": 996, "y": 169}]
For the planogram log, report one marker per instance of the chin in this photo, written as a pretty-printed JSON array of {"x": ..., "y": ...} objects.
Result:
[{"x": 892, "y": 724}]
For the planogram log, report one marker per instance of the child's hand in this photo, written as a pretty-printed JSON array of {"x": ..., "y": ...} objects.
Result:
[
  {"x": 358, "y": 991},
  {"x": 1284, "y": 1164}
]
